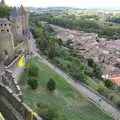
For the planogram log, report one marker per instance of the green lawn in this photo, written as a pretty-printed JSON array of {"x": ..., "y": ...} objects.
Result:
[{"x": 67, "y": 103}]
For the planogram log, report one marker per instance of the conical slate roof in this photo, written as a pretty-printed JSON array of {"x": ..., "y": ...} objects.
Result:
[
  {"x": 4, "y": 21},
  {"x": 15, "y": 12}
]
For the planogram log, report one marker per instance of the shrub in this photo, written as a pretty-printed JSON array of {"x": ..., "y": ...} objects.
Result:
[
  {"x": 33, "y": 83},
  {"x": 48, "y": 115},
  {"x": 102, "y": 89},
  {"x": 52, "y": 52},
  {"x": 108, "y": 83},
  {"x": 33, "y": 71},
  {"x": 79, "y": 76},
  {"x": 111, "y": 98},
  {"x": 97, "y": 71},
  {"x": 90, "y": 62},
  {"x": 51, "y": 85},
  {"x": 118, "y": 104},
  {"x": 89, "y": 71},
  {"x": 4, "y": 11}
]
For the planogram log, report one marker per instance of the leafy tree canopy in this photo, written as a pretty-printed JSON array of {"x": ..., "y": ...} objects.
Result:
[{"x": 4, "y": 11}]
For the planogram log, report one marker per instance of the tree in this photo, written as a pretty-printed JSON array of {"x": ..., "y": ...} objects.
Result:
[
  {"x": 52, "y": 52},
  {"x": 108, "y": 83},
  {"x": 33, "y": 71},
  {"x": 90, "y": 62},
  {"x": 4, "y": 11},
  {"x": 51, "y": 85},
  {"x": 53, "y": 47},
  {"x": 118, "y": 104},
  {"x": 49, "y": 114},
  {"x": 33, "y": 83},
  {"x": 97, "y": 71}
]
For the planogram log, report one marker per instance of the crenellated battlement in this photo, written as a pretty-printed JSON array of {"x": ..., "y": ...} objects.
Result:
[
  {"x": 11, "y": 103},
  {"x": 5, "y": 25}
]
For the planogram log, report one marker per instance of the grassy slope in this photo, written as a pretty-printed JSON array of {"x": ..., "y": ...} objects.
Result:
[{"x": 67, "y": 100}]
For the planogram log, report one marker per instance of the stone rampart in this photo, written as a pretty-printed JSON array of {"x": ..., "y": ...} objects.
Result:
[{"x": 18, "y": 109}]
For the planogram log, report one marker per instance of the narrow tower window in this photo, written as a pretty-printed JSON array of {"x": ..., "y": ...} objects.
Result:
[{"x": 7, "y": 30}]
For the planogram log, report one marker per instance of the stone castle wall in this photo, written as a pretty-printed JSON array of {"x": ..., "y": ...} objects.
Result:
[
  {"x": 24, "y": 22},
  {"x": 17, "y": 26},
  {"x": 17, "y": 30},
  {"x": 13, "y": 108},
  {"x": 11, "y": 103},
  {"x": 24, "y": 18},
  {"x": 6, "y": 44}
]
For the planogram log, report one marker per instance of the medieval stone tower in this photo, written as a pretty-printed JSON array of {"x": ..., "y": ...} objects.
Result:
[
  {"x": 13, "y": 32},
  {"x": 6, "y": 39},
  {"x": 24, "y": 17},
  {"x": 19, "y": 17}
]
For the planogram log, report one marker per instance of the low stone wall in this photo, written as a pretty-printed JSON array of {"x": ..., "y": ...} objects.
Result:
[
  {"x": 21, "y": 108},
  {"x": 9, "y": 80}
]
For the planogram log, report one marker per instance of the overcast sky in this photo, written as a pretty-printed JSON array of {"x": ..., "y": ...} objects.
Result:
[{"x": 70, "y": 3}]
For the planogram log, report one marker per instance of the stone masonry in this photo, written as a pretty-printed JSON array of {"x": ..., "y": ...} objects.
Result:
[
  {"x": 13, "y": 32},
  {"x": 14, "y": 37}
]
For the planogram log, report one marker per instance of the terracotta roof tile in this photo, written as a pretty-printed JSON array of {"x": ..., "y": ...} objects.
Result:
[{"x": 116, "y": 80}]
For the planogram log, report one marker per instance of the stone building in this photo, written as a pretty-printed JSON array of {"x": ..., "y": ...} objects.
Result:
[
  {"x": 19, "y": 18},
  {"x": 13, "y": 32}
]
